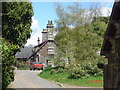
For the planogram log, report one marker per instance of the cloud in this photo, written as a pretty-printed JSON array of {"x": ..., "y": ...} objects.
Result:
[
  {"x": 71, "y": 0},
  {"x": 36, "y": 32},
  {"x": 35, "y": 27},
  {"x": 106, "y": 11}
]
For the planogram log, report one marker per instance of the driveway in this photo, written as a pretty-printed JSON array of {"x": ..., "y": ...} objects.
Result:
[{"x": 30, "y": 79}]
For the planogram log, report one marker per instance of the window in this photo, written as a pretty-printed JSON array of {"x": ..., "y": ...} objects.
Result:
[
  {"x": 50, "y": 37},
  {"x": 50, "y": 50}
]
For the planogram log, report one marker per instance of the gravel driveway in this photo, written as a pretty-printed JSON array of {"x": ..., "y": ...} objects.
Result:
[{"x": 29, "y": 79}]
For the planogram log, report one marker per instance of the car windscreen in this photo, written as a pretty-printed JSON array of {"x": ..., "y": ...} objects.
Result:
[{"x": 38, "y": 63}]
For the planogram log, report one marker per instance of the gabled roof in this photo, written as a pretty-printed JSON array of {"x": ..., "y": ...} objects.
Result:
[
  {"x": 24, "y": 52},
  {"x": 41, "y": 44},
  {"x": 40, "y": 47},
  {"x": 111, "y": 29}
]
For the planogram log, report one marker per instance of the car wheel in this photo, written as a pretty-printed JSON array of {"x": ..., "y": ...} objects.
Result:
[{"x": 30, "y": 68}]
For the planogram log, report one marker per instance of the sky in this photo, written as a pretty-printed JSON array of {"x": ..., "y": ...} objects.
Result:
[{"x": 44, "y": 11}]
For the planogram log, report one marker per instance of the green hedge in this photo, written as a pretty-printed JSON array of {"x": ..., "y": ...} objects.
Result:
[{"x": 8, "y": 60}]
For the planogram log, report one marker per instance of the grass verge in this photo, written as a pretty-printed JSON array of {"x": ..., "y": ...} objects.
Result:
[{"x": 91, "y": 81}]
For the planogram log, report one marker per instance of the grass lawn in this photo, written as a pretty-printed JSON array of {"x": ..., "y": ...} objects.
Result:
[{"x": 91, "y": 81}]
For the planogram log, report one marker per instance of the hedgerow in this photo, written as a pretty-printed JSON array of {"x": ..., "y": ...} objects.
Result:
[{"x": 8, "y": 60}]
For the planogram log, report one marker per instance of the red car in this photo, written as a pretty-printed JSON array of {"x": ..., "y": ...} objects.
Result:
[{"x": 36, "y": 65}]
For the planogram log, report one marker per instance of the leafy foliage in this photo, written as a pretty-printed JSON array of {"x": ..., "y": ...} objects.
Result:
[
  {"x": 79, "y": 37},
  {"x": 100, "y": 25},
  {"x": 58, "y": 70},
  {"x": 7, "y": 63},
  {"x": 16, "y": 22},
  {"x": 85, "y": 69},
  {"x": 77, "y": 71},
  {"x": 84, "y": 40},
  {"x": 23, "y": 67}
]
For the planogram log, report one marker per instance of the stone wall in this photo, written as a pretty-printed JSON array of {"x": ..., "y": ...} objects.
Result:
[{"x": 111, "y": 49}]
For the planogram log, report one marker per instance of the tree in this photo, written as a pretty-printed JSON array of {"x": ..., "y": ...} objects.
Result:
[
  {"x": 100, "y": 25},
  {"x": 71, "y": 16},
  {"x": 83, "y": 41},
  {"x": 63, "y": 39},
  {"x": 16, "y": 22},
  {"x": 86, "y": 43}
]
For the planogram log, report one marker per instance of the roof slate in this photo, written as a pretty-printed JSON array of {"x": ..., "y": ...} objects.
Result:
[{"x": 24, "y": 52}]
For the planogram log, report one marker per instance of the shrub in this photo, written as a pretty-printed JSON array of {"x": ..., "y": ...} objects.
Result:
[
  {"x": 8, "y": 60},
  {"x": 91, "y": 68},
  {"x": 58, "y": 70},
  {"x": 23, "y": 67},
  {"x": 76, "y": 73},
  {"x": 84, "y": 69}
]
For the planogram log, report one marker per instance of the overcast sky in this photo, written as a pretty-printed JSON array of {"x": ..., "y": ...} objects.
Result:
[{"x": 44, "y": 11}]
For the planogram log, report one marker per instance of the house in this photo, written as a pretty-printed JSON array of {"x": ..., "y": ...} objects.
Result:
[
  {"x": 24, "y": 54},
  {"x": 45, "y": 51}
]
